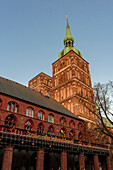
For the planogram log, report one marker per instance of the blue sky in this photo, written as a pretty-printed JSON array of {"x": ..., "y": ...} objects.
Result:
[{"x": 32, "y": 33}]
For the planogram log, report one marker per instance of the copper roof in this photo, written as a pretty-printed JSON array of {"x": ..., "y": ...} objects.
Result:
[{"x": 34, "y": 97}]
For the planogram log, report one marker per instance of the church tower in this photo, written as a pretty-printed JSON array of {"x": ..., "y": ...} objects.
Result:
[{"x": 72, "y": 81}]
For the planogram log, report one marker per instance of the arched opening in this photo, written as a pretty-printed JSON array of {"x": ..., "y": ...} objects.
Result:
[
  {"x": 10, "y": 121},
  {"x": 40, "y": 115},
  {"x": 80, "y": 136},
  {"x": 51, "y": 118},
  {"x": 62, "y": 121},
  {"x": 12, "y": 107},
  {"x": 40, "y": 128},
  {"x": 29, "y": 111},
  {"x": 50, "y": 130},
  {"x": 72, "y": 124},
  {"x": 62, "y": 132},
  {"x": 80, "y": 126},
  {"x": 28, "y": 125},
  {"x": 72, "y": 134}
]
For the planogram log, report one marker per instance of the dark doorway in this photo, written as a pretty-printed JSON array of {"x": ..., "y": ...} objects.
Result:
[{"x": 51, "y": 160}]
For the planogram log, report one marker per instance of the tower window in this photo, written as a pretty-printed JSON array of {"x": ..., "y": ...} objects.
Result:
[{"x": 34, "y": 84}]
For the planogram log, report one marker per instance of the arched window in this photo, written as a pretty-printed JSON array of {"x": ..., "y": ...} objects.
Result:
[
  {"x": 72, "y": 134},
  {"x": 80, "y": 126},
  {"x": 28, "y": 125},
  {"x": 40, "y": 128},
  {"x": 29, "y": 112},
  {"x": 12, "y": 107},
  {"x": 50, "y": 118},
  {"x": 50, "y": 130},
  {"x": 62, "y": 121},
  {"x": 71, "y": 124},
  {"x": 40, "y": 115},
  {"x": 62, "y": 132},
  {"x": 10, "y": 121},
  {"x": 80, "y": 136}
]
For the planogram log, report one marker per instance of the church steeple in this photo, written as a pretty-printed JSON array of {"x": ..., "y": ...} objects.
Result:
[
  {"x": 68, "y": 43},
  {"x": 68, "y": 40}
]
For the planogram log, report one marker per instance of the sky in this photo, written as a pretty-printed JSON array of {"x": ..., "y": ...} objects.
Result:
[{"x": 32, "y": 34}]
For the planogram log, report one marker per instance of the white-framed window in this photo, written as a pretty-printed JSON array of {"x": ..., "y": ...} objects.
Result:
[
  {"x": 40, "y": 115},
  {"x": 51, "y": 118},
  {"x": 12, "y": 106},
  {"x": 29, "y": 112}
]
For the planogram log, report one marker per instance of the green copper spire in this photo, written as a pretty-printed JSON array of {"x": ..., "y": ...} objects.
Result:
[
  {"x": 68, "y": 40},
  {"x": 68, "y": 43}
]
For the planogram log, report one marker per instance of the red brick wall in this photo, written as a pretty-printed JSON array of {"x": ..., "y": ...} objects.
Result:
[{"x": 21, "y": 117}]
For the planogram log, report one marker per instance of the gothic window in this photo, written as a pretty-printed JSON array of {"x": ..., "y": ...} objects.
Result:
[
  {"x": 10, "y": 121},
  {"x": 34, "y": 84},
  {"x": 40, "y": 115},
  {"x": 28, "y": 125},
  {"x": 71, "y": 124},
  {"x": 12, "y": 106},
  {"x": 80, "y": 126},
  {"x": 62, "y": 121},
  {"x": 50, "y": 118},
  {"x": 62, "y": 132},
  {"x": 50, "y": 130},
  {"x": 29, "y": 112},
  {"x": 72, "y": 134},
  {"x": 80, "y": 136},
  {"x": 40, "y": 128}
]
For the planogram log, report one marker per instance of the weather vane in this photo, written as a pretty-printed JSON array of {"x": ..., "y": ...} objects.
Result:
[{"x": 67, "y": 17}]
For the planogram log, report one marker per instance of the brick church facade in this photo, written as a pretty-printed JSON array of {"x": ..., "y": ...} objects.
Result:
[{"x": 43, "y": 126}]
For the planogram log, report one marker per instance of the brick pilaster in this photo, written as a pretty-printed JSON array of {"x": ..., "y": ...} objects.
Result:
[
  {"x": 81, "y": 161},
  {"x": 96, "y": 162},
  {"x": 108, "y": 163},
  {"x": 40, "y": 160},
  {"x": 63, "y": 161},
  {"x": 7, "y": 158}
]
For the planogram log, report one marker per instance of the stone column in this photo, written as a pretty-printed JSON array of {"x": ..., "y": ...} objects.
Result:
[
  {"x": 7, "y": 158},
  {"x": 108, "y": 163},
  {"x": 63, "y": 161},
  {"x": 40, "y": 160},
  {"x": 96, "y": 162},
  {"x": 81, "y": 161}
]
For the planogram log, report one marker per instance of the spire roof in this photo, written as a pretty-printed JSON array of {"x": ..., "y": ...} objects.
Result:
[
  {"x": 68, "y": 33},
  {"x": 68, "y": 43}
]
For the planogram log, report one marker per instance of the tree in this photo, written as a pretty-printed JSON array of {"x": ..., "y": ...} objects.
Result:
[{"x": 103, "y": 95}]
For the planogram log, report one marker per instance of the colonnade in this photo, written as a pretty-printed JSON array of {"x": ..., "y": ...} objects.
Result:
[{"x": 8, "y": 156}]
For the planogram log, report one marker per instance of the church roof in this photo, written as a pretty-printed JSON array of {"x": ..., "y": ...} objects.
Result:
[{"x": 32, "y": 96}]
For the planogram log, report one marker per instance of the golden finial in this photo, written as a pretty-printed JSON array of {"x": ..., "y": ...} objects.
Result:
[{"x": 66, "y": 17}]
